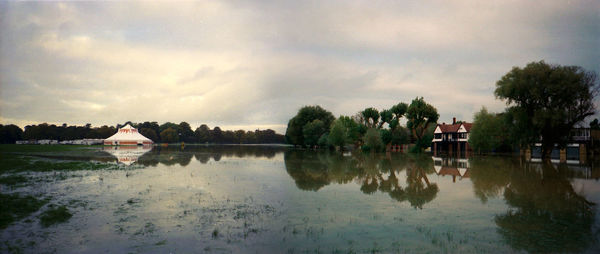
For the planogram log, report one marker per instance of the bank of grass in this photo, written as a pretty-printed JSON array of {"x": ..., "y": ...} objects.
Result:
[
  {"x": 54, "y": 215},
  {"x": 12, "y": 148},
  {"x": 12, "y": 180},
  {"x": 14, "y": 207},
  {"x": 20, "y": 163}
]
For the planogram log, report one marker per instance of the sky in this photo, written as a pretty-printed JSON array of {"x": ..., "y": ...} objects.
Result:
[{"x": 253, "y": 64}]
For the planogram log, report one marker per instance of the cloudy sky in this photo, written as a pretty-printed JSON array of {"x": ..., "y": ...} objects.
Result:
[{"x": 254, "y": 64}]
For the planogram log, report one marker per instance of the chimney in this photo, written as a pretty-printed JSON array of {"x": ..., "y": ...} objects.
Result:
[
  {"x": 444, "y": 123},
  {"x": 453, "y": 120}
]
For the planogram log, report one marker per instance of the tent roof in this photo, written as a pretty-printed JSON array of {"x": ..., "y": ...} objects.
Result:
[{"x": 127, "y": 133}]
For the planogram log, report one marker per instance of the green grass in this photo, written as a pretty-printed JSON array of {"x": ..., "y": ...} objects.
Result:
[
  {"x": 12, "y": 180},
  {"x": 12, "y": 148},
  {"x": 14, "y": 207},
  {"x": 20, "y": 163},
  {"x": 55, "y": 215}
]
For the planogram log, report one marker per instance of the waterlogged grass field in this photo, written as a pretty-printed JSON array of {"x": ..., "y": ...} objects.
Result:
[{"x": 263, "y": 199}]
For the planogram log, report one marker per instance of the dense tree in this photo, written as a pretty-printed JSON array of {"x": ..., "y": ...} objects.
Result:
[
  {"x": 169, "y": 135},
  {"x": 373, "y": 140},
  {"x": 337, "y": 134},
  {"x": 216, "y": 135},
  {"x": 370, "y": 117},
  {"x": 149, "y": 133},
  {"x": 9, "y": 134},
  {"x": 421, "y": 117},
  {"x": 488, "y": 132},
  {"x": 167, "y": 125},
  {"x": 295, "y": 133},
  {"x": 202, "y": 134},
  {"x": 313, "y": 131},
  {"x": 185, "y": 133},
  {"x": 546, "y": 101}
]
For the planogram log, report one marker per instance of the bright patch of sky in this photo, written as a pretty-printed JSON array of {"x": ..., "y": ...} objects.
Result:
[{"x": 254, "y": 64}]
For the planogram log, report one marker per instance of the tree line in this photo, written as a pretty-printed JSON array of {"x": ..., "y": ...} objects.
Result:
[
  {"x": 544, "y": 103},
  {"x": 369, "y": 129},
  {"x": 165, "y": 133}
]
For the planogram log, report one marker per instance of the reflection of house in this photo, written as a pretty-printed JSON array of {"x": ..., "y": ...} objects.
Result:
[
  {"x": 451, "y": 166},
  {"x": 127, "y": 135},
  {"x": 451, "y": 138},
  {"x": 574, "y": 153},
  {"x": 127, "y": 154}
]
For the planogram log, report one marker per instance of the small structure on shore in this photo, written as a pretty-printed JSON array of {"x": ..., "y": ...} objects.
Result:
[
  {"x": 127, "y": 136},
  {"x": 452, "y": 138}
]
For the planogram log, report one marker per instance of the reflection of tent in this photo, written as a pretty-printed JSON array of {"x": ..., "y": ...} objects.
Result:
[
  {"x": 127, "y": 135},
  {"x": 127, "y": 154}
]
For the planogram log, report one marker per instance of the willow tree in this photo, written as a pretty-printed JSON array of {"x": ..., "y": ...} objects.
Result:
[
  {"x": 421, "y": 117},
  {"x": 545, "y": 102}
]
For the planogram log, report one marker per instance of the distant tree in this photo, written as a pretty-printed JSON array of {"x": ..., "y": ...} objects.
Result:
[
  {"x": 373, "y": 140},
  {"x": 240, "y": 136},
  {"x": 216, "y": 135},
  {"x": 169, "y": 135},
  {"x": 370, "y": 117},
  {"x": 421, "y": 116},
  {"x": 313, "y": 131},
  {"x": 337, "y": 134},
  {"x": 185, "y": 133},
  {"x": 151, "y": 125},
  {"x": 167, "y": 125},
  {"x": 323, "y": 140},
  {"x": 9, "y": 134},
  {"x": 295, "y": 132},
  {"x": 399, "y": 110},
  {"x": 488, "y": 132},
  {"x": 202, "y": 134},
  {"x": 149, "y": 133},
  {"x": 250, "y": 138},
  {"x": 546, "y": 101}
]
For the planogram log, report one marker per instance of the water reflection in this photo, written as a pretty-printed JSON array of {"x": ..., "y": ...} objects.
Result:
[
  {"x": 177, "y": 155},
  {"x": 126, "y": 154},
  {"x": 313, "y": 170},
  {"x": 545, "y": 213}
]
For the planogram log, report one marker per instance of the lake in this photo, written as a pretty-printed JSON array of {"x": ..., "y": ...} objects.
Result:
[{"x": 265, "y": 199}]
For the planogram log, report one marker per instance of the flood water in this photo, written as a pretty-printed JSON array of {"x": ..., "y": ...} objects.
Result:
[{"x": 258, "y": 199}]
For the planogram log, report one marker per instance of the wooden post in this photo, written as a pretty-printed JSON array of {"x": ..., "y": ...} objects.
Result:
[
  {"x": 582, "y": 153},
  {"x": 563, "y": 155}
]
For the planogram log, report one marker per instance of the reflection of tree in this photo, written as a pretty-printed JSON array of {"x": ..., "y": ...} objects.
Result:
[
  {"x": 307, "y": 170},
  {"x": 172, "y": 155},
  {"x": 547, "y": 215},
  {"x": 374, "y": 172},
  {"x": 489, "y": 176},
  {"x": 419, "y": 191}
]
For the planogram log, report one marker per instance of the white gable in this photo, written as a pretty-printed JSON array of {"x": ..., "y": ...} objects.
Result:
[
  {"x": 438, "y": 129},
  {"x": 462, "y": 129}
]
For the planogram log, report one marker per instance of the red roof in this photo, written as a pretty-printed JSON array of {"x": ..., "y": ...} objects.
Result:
[
  {"x": 453, "y": 128},
  {"x": 446, "y": 128},
  {"x": 468, "y": 126}
]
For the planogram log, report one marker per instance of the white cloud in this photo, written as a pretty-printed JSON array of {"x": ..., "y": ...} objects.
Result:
[{"x": 247, "y": 65}]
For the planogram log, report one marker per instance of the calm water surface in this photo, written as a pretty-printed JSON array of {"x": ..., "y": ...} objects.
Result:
[{"x": 279, "y": 200}]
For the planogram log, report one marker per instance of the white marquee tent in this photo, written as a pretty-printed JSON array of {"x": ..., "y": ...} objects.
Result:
[{"x": 127, "y": 135}]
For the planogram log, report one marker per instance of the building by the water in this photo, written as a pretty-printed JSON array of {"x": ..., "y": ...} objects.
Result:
[{"x": 451, "y": 139}]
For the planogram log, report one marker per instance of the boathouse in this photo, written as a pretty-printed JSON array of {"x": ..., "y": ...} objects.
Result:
[{"x": 451, "y": 139}]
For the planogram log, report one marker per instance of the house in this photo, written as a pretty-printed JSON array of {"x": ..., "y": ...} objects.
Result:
[
  {"x": 575, "y": 152},
  {"x": 452, "y": 139}
]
